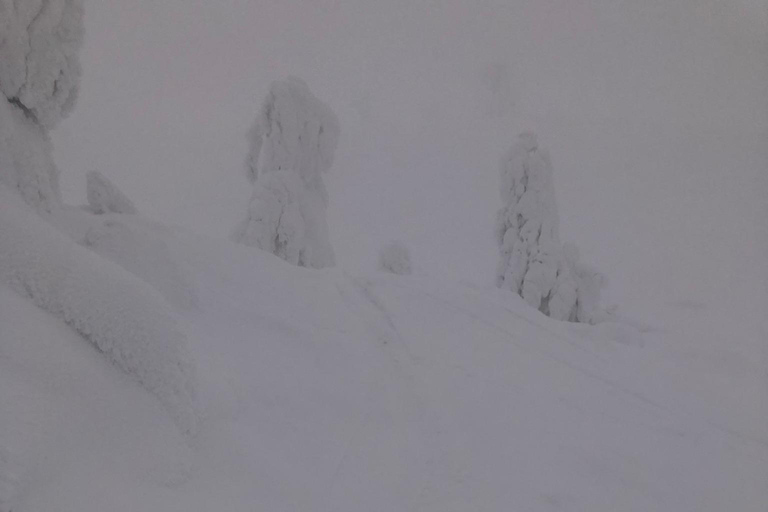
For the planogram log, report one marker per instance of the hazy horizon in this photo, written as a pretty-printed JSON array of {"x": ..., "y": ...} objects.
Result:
[{"x": 656, "y": 117}]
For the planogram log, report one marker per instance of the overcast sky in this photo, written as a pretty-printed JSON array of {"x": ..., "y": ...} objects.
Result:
[{"x": 655, "y": 113}]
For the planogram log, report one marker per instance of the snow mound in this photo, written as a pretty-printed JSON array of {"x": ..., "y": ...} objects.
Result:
[
  {"x": 65, "y": 411},
  {"x": 144, "y": 253},
  {"x": 120, "y": 314},
  {"x": 104, "y": 197},
  {"x": 395, "y": 258}
]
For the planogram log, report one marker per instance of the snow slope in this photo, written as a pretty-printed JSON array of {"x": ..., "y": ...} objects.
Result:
[{"x": 325, "y": 391}]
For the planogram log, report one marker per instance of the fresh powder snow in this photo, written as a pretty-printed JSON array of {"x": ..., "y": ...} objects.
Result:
[{"x": 145, "y": 366}]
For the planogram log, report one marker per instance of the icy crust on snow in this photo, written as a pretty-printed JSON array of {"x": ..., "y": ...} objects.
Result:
[
  {"x": 104, "y": 197},
  {"x": 26, "y": 164},
  {"x": 292, "y": 143},
  {"x": 123, "y": 316},
  {"x": 533, "y": 262},
  {"x": 39, "y": 65}
]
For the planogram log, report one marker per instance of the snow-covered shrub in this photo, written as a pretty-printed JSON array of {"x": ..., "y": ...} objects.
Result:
[
  {"x": 104, "y": 197},
  {"x": 119, "y": 313},
  {"x": 39, "y": 78},
  {"x": 395, "y": 258},
  {"x": 292, "y": 144},
  {"x": 533, "y": 262}
]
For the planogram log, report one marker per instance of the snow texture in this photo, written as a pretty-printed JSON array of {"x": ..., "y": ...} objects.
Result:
[
  {"x": 589, "y": 285},
  {"x": 26, "y": 164},
  {"x": 39, "y": 77},
  {"x": 120, "y": 314},
  {"x": 330, "y": 391},
  {"x": 292, "y": 144},
  {"x": 104, "y": 197},
  {"x": 533, "y": 262},
  {"x": 395, "y": 258},
  {"x": 143, "y": 251},
  {"x": 39, "y": 66}
]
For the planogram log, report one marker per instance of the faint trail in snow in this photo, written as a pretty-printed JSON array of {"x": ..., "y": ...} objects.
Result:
[
  {"x": 661, "y": 410},
  {"x": 354, "y": 441},
  {"x": 410, "y": 397},
  {"x": 10, "y": 469}
]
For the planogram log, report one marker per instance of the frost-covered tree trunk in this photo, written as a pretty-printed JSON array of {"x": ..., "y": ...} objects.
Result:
[
  {"x": 291, "y": 145},
  {"x": 533, "y": 262},
  {"x": 39, "y": 77}
]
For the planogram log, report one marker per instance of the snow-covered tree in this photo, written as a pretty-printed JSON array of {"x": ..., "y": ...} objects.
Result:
[
  {"x": 104, "y": 197},
  {"x": 292, "y": 144},
  {"x": 533, "y": 262},
  {"x": 39, "y": 48},
  {"x": 395, "y": 258},
  {"x": 39, "y": 78}
]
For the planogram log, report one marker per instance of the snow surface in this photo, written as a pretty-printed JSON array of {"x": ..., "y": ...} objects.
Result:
[
  {"x": 104, "y": 197},
  {"x": 321, "y": 390},
  {"x": 120, "y": 314},
  {"x": 395, "y": 258}
]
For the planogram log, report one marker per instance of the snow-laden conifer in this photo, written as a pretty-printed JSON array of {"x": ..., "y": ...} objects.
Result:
[
  {"x": 292, "y": 144},
  {"x": 39, "y": 78},
  {"x": 533, "y": 262}
]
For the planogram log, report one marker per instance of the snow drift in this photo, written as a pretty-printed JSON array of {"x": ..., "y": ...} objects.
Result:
[
  {"x": 120, "y": 314},
  {"x": 142, "y": 251}
]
